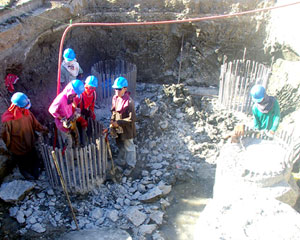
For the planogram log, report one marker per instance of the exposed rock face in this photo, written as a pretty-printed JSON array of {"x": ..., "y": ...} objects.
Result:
[{"x": 33, "y": 43}]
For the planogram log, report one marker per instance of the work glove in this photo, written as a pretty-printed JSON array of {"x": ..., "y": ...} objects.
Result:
[
  {"x": 65, "y": 123},
  {"x": 239, "y": 130}
]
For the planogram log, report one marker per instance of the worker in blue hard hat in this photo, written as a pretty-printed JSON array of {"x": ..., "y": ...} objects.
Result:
[
  {"x": 86, "y": 103},
  {"x": 64, "y": 110},
  {"x": 70, "y": 68},
  {"x": 266, "y": 110},
  {"x": 19, "y": 125},
  {"x": 123, "y": 124}
]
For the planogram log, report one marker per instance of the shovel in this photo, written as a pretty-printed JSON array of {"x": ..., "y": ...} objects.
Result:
[{"x": 112, "y": 170}]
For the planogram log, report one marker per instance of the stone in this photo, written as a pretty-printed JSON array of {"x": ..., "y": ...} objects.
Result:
[
  {"x": 113, "y": 215},
  {"x": 157, "y": 217},
  {"x": 15, "y": 190},
  {"x": 20, "y": 217},
  {"x": 96, "y": 213},
  {"x": 13, "y": 211},
  {"x": 147, "y": 229},
  {"x": 97, "y": 234},
  {"x": 152, "y": 195},
  {"x": 135, "y": 216},
  {"x": 37, "y": 227}
]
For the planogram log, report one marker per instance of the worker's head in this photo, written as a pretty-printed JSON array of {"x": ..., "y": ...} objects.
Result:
[
  {"x": 258, "y": 93},
  {"x": 91, "y": 82},
  {"x": 21, "y": 100},
  {"x": 78, "y": 87},
  {"x": 69, "y": 55},
  {"x": 120, "y": 85}
]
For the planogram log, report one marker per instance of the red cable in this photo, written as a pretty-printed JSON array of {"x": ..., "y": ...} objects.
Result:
[{"x": 155, "y": 23}]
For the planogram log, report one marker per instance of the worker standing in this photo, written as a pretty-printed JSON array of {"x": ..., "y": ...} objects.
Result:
[
  {"x": 87, "y": 105},
  {"x": 62, "y": 109},
  {"x": 123, "y": 123},
  {"x": 70, "y": 68},
  {"x": 18, "y": 126}
]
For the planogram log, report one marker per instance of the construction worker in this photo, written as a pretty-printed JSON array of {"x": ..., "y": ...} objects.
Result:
[
  {"x": 70, "y": 68},
  {"x": 62, "y": 109},
  {"x": 266, "y": 112},
  {"x": 123, "y": 124},
  {"x": 18, "y": 133},
  {"x": 87, "y": 105}
]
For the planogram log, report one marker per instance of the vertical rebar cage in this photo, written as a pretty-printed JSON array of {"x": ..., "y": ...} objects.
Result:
[
  {"x": 83, "y": 167},
  {"x": 236, "y": 80},
  {"x": 107, "y": 72}
]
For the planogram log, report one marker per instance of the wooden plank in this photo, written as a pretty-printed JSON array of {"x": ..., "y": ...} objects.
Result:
[
  {"x": 67, "y": 164},
  {"x": 81, "y": 153},
  {"x": 73, "y": 168},
  {"x": 78, "y": 168},
  {"x": 90, "y": 163},
  {"x": 99, "y": 159},
  {"x": 86, "y": 167},
  {"x": 47, "y": 164}
]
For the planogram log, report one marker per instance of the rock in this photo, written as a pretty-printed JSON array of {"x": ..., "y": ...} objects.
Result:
[
  {"x": 152, "y": 195},
  {"x": 50, "y": 192},
  {"x": 113, "y": 215},
  {"x": 15, "y": 190},
  {"x": 97, "y": 234},
  {"x": 20, "y": 217},
  {"x": 13, "y": 211},
  {"x": 96, "y": 213},
  {"x": 157, "y": 217},
  {"x": 135, "y": 216},
  {"x": 147, "y": 229},
  {"x": 38, "y": 228}
]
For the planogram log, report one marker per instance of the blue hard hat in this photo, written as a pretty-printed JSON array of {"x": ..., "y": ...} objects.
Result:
[
  {"x": 21, "y": 100},
  {"x": 258, "y": 93},
  {"x": 69, "y": 54},
  {"x": 91, "y": 81},
  {"x": 120, "y": 82},
  {"x": 78, "y": 87}
]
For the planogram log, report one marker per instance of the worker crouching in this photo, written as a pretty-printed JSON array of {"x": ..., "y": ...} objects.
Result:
[
  {"x": 123, "y": 124},
  {"x": 63, "y": 109},
  {"x": 18, "y": 134}
]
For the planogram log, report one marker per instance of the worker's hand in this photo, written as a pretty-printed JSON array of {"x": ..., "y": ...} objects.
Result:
[
  {"x": 114, "y": 124},
  {"x": 239, "y": 130},
  {"x": 271, "y": 132},
  {"x": 66, "y": 123}
]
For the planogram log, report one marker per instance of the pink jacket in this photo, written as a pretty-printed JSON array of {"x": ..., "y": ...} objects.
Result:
[{"x": 60, "y": 107}]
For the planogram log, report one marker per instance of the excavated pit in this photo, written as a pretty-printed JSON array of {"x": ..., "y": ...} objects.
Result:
[{"x": 179, "y": 134}]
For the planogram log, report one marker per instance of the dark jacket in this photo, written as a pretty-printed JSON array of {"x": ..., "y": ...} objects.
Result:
[{"x": 126, "y": 119}]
